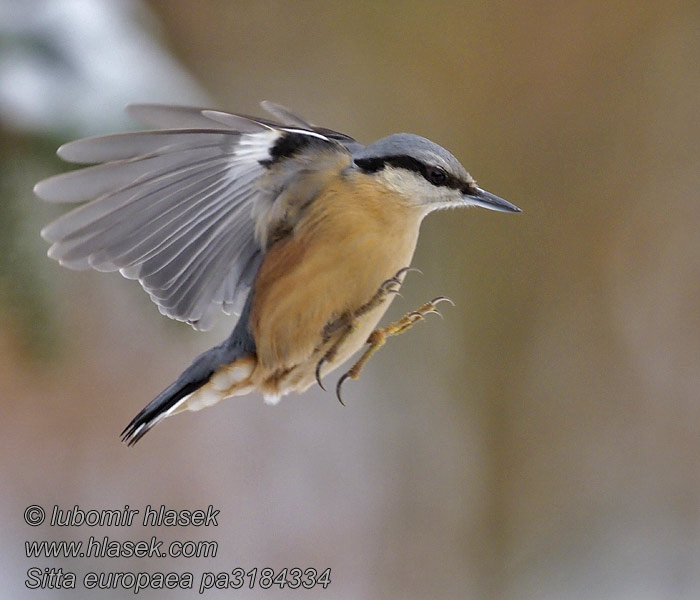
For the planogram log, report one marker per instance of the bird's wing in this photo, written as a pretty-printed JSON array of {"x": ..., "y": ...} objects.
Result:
[{"x": 177, "y": 208}]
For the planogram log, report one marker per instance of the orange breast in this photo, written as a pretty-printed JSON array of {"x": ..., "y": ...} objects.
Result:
[{"x": 351, "y": 239}]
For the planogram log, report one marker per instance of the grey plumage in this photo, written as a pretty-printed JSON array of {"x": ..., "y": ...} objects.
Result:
[{"x": 176, "y": 209}]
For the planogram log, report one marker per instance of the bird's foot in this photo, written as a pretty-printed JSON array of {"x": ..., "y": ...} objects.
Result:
[
  {"x": 390, "y": 286},
  {"x": 347, "y": 322},
  {"x": 378, "y": 337}
]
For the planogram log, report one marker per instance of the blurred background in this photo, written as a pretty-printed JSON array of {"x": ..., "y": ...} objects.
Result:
[{"x": 540, "y": 442}]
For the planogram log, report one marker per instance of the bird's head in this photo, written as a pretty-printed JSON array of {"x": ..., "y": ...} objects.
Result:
[{"x": 424, "y": 172}]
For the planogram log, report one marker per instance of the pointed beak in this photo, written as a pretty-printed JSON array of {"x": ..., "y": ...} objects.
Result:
[{"x": 486, "y": 200}]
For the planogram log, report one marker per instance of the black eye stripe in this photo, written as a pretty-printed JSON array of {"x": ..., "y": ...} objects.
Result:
[
  {"x": 436, "y": 175},
  {"x": 402, "y": 161}
]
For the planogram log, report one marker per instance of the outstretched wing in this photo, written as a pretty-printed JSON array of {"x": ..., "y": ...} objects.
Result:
[{"x": 177, "y": 208}]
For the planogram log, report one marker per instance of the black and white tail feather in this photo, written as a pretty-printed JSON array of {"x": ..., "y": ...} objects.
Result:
[
  {"x": 184, "y": 210},
  {"x": 239, "y": 344}
]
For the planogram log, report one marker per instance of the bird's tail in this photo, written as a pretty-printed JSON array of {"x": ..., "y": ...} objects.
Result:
[{"x": 212, "y": 376}]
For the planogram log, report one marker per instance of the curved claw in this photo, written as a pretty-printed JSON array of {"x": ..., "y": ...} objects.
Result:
[
  {"x": 318, "y": 373},
  {"x": 391, "y": 286},
  {"x": 420, "y": 315},
  {"x": 395, "y": 279},
  {"x": 407, "y": 270},
  {"x": 339, "y": 385},
  {"x": 441, "y": 299}
]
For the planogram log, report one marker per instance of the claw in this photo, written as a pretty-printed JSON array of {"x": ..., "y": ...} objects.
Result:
[
  {"x": 433, "y": 303},
  {"x": 408, "y": 270},
  {"x": 378, "y": 337},
  {"x": 394, "y": 289},
  {"x": 319, "y": 364},
  {"x": 441, "y": 299},
  {"x": 395, "y": 279},
  {"x": 339, "y": 385}
]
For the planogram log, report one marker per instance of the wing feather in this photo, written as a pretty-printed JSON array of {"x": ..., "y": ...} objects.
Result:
[{"x": 177, "y": 208}]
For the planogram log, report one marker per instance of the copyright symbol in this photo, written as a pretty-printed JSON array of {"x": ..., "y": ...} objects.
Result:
[{"x": 34, "y": 515}]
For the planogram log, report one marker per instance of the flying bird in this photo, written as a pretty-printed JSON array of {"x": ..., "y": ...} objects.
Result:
[{"x": 301, "y": 231}]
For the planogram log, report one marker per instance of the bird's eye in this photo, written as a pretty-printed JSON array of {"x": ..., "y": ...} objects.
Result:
[{"x": 437, "y": 175}]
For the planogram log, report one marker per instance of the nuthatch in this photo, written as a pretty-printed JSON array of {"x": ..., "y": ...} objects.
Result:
[{"x": 302, "y": 231}]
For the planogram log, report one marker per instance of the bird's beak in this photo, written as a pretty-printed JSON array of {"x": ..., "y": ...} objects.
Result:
[{"x": 486, "y": 200}]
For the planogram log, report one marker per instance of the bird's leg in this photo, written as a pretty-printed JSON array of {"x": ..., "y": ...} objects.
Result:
[
  {"x": 390, "y": 286},
  {"x": 378, "y": 337},
  {"x": 347, "y": 321}
]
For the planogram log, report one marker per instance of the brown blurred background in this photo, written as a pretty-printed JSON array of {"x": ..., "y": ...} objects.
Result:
[{"x": 540, "y": 442}]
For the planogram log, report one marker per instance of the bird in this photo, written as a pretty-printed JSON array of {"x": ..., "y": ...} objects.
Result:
[{"x": 301, "y": 231}]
